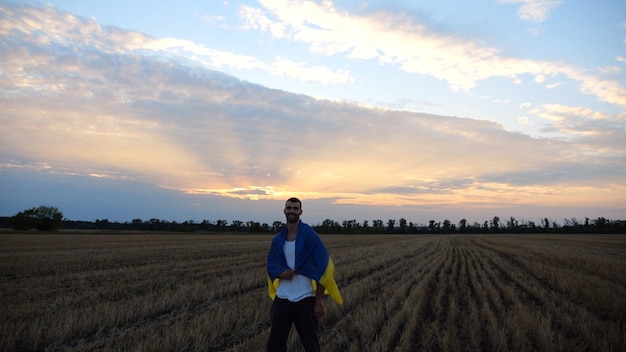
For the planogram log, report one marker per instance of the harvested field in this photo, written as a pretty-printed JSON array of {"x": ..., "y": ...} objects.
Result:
[{"x": 181, "y": 292}]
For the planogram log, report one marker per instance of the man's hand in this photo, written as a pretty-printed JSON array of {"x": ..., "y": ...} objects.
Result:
[
  {"x": 318, "y": 311},
  {"x": 287, "y": 274}
]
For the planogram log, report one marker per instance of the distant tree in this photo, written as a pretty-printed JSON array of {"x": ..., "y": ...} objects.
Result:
[
  {"x": 102, "y": 224},
  {"x": 495, "y": 223},
  {"x": 326, "y": 226},
  {"x": 462, "y": 224},
  {"x": 391, "y": 224},
  {"x": 512, "y": 223},
  {"x": 187, "y": 226},
  {"x": 236, "y": 225},
  {"x": 378, "y": 226},
  {"x": 600, "y": 222},
  {"x": 42, "y": 218},
  {"x": 403, "y": 224},
  {"x": 255, "y": 226},
  {"x": 350, "y": 226},
  {"x": 205, "y": 225},
  {"x": 136, "y": 224},
  {"x": 446, "y": 225},
  {"x": 277, "y": 225},
  {"x": 154, "y": 224},
  {"x": 221, "y": 224}
]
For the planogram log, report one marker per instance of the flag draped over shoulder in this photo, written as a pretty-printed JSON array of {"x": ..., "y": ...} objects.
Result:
[{"x": 312, "y": 260}]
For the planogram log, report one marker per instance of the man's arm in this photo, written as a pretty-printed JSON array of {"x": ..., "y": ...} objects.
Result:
[{"x": 318, "y": 311}]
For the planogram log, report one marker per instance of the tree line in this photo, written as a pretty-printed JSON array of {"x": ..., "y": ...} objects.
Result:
[{"x": 49, "y": 218}]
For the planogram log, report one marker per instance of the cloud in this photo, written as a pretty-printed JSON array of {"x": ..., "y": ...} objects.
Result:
[
  {"x": 46, "y": 25},
  {"x": 299, "y": 70},
  {"x": 594, "y": 133},
  {"x": 213, "y": 18},
  {"x": 395, "y": 39},
  {"x": 280, "y": 66},
  {"x": 100, "y": 103},
  {"x": 555, "y": 85},
  {"x": 534, "y": 10},
  {"x": 523, "y": 120}
]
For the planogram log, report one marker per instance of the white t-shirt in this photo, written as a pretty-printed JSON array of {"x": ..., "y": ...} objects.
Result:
[{"x": 300, "y": 286}]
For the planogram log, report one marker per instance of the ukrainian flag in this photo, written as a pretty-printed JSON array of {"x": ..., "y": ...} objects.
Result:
[{"x": 312, "y": 260}]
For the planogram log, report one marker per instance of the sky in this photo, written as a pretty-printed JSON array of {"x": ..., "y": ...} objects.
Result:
[{"x": 221, "y": 110}]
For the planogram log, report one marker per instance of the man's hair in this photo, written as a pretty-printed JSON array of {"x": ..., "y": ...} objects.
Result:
[{"x": 294, "y": 200}]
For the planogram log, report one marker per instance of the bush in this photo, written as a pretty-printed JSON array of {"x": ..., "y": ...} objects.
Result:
[{"x": 43, "y": 218}]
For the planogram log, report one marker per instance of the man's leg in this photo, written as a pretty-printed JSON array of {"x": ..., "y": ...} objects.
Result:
[
  {"x": 307, "y": 325},
  {"x": 281, "y": 317}
]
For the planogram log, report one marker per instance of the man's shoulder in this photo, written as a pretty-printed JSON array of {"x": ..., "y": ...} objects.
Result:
[
  {"x": 304, "y": 227},
  {"x": 308, "y": 232},
  {"x": 280, "y": 236}
]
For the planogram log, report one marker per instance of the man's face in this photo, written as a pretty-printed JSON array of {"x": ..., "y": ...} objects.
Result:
[{"x": 292, "y": 212}]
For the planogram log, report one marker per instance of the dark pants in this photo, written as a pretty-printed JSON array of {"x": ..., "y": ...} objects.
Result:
[{"x": 283, "y": 313}]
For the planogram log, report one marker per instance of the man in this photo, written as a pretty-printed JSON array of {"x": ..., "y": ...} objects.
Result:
[{"x": 300, "y": 272}]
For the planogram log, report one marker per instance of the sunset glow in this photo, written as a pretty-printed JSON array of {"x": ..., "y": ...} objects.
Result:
[{"x": 413, "y": 110}]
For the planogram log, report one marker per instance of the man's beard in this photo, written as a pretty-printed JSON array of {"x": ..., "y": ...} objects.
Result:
[{"x": 295, "y": 218}]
